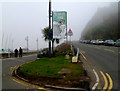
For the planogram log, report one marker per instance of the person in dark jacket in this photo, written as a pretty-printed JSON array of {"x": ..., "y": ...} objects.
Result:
[
  {"x": 16, "y": 53},
  {"x": 20, "y": 52}
]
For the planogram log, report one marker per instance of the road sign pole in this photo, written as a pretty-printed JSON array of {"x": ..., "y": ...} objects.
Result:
[{"x": 70, "y": 39}]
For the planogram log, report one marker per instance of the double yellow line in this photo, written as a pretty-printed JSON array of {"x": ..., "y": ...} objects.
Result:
[
  {"x": 106, "y": 81},
  {"x": 27, "y": 84}
]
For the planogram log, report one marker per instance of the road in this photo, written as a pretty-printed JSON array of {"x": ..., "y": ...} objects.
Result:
[
  {"x": 7, "y": 67},
  {"x": 103, "y": 59}
]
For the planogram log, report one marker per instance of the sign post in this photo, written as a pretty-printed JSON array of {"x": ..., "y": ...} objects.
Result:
[{"x": 70, "y": 33}]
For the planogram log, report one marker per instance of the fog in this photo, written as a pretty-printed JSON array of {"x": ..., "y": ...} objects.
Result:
[
  {"x": 105, "y": 20},
  {"x": 21, "y": 19}
]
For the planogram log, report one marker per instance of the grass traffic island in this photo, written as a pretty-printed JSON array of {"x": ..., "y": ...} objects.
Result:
[{"x": 55, "y": 71}]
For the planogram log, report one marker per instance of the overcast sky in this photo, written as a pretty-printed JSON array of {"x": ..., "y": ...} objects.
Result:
[{"x": 21, "y": 19}]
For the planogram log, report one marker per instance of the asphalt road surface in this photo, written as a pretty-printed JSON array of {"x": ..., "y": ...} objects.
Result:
[
  {"x": 103, "y": 59},
  {"x": 8, "y": 83}
]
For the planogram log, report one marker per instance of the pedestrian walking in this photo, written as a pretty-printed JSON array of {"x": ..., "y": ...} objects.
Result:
[
  {"x": 20, "y": 52},
  {"x": 16, "y": 53}
]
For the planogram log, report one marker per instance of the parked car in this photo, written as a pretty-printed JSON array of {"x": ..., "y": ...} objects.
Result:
[
  {"x": 117, "y": 43},
  {"x": 88, "y": 41},
  {"x": 93, "y": 42},
  {"x": 109, "y": 42},
  {"x": 99, "y": 42},
  {"x": 43, "y": 53}
]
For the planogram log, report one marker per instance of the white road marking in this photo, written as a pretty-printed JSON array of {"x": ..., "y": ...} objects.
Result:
[
  {"x": 109, "y": 50},
  {"x": 97, "y": 77},
  {"x": 94, "y": 87},
  {"x": 97, "y": 48},
  {"x": 83, "y": 56},
  {"x": 97, "y": 80}
]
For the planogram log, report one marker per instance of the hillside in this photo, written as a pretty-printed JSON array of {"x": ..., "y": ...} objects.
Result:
[{"x": 103, "y": 25}]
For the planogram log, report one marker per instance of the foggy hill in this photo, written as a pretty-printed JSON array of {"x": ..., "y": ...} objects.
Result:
[{"x": 103, "y": 25}]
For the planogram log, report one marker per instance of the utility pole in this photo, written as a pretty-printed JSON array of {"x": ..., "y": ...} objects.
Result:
[
  {"x": 49, "y": 27},
  {"x": 12, "y": 45},
  {"x": 37, "y": 44},
  {"x": 27, "y": 42},
  {"x": 3, "y": 41},
  {"x": 6, "y": 44}
]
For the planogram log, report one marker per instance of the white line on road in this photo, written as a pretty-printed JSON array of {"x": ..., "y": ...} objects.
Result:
[
  {"x": 97, "y": 77},
  {"x": 97, "y": 80},
  {"x": 83, "y": 56},
  {"x": 109, "y": 50},
  {"x": 97, "y": 48}
]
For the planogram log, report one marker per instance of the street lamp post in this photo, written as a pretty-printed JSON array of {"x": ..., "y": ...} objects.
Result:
[
  {"x": 27, "y": 42},
  {"x": 37, "y": 44},
  {"x": 49, "y": 27},
  {"x": 12, "y": 45}
]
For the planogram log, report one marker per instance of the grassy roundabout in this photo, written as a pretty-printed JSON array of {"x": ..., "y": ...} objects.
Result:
[
  {"x": 56, "y": 71},
  {"x": 47, "y": 71},
  {"x": 51, "y": 66}
]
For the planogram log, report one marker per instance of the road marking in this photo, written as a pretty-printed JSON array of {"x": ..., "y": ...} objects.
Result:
[
  {"x": 111, "y": 82},
  {"x": 83, "y": 56},
  {"x": 97, "y": 80},
  {"x": 83, "y": 52},
  {"x": 97, "y": 77},
  {"x": 97, "y": 48},
  {"x": 41, "y": 88},
  {"x": 20, "y": 82},
  {"x": 109, "y": 50},
  {"x": 106, "y": 81},
  {"x": 29, "y": 85}
]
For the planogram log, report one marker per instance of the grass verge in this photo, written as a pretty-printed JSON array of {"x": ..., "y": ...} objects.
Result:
[
  {"x": 51, "y": 66},
  {"x": 46, "y": 71}
]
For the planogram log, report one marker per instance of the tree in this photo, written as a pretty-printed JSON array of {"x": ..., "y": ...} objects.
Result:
[
  {"x": 47, "y": 35},
  {"x": 55, "y": 40}
]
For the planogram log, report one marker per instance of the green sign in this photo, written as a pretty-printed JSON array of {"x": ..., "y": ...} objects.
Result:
[
  {"x": 59, "y": 20},
  {"x": 60, "y": 16}
]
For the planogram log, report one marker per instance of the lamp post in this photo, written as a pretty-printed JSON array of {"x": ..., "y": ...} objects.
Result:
[
  {"x": 12, "y": 45},
  {"x": 37, "y": 44},
  {"x": 27, "y": 42},
  {"x": 49, "y": 27}
]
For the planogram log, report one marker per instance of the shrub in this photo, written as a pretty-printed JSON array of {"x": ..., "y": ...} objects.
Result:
[{"x": 63, "y": 49}]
